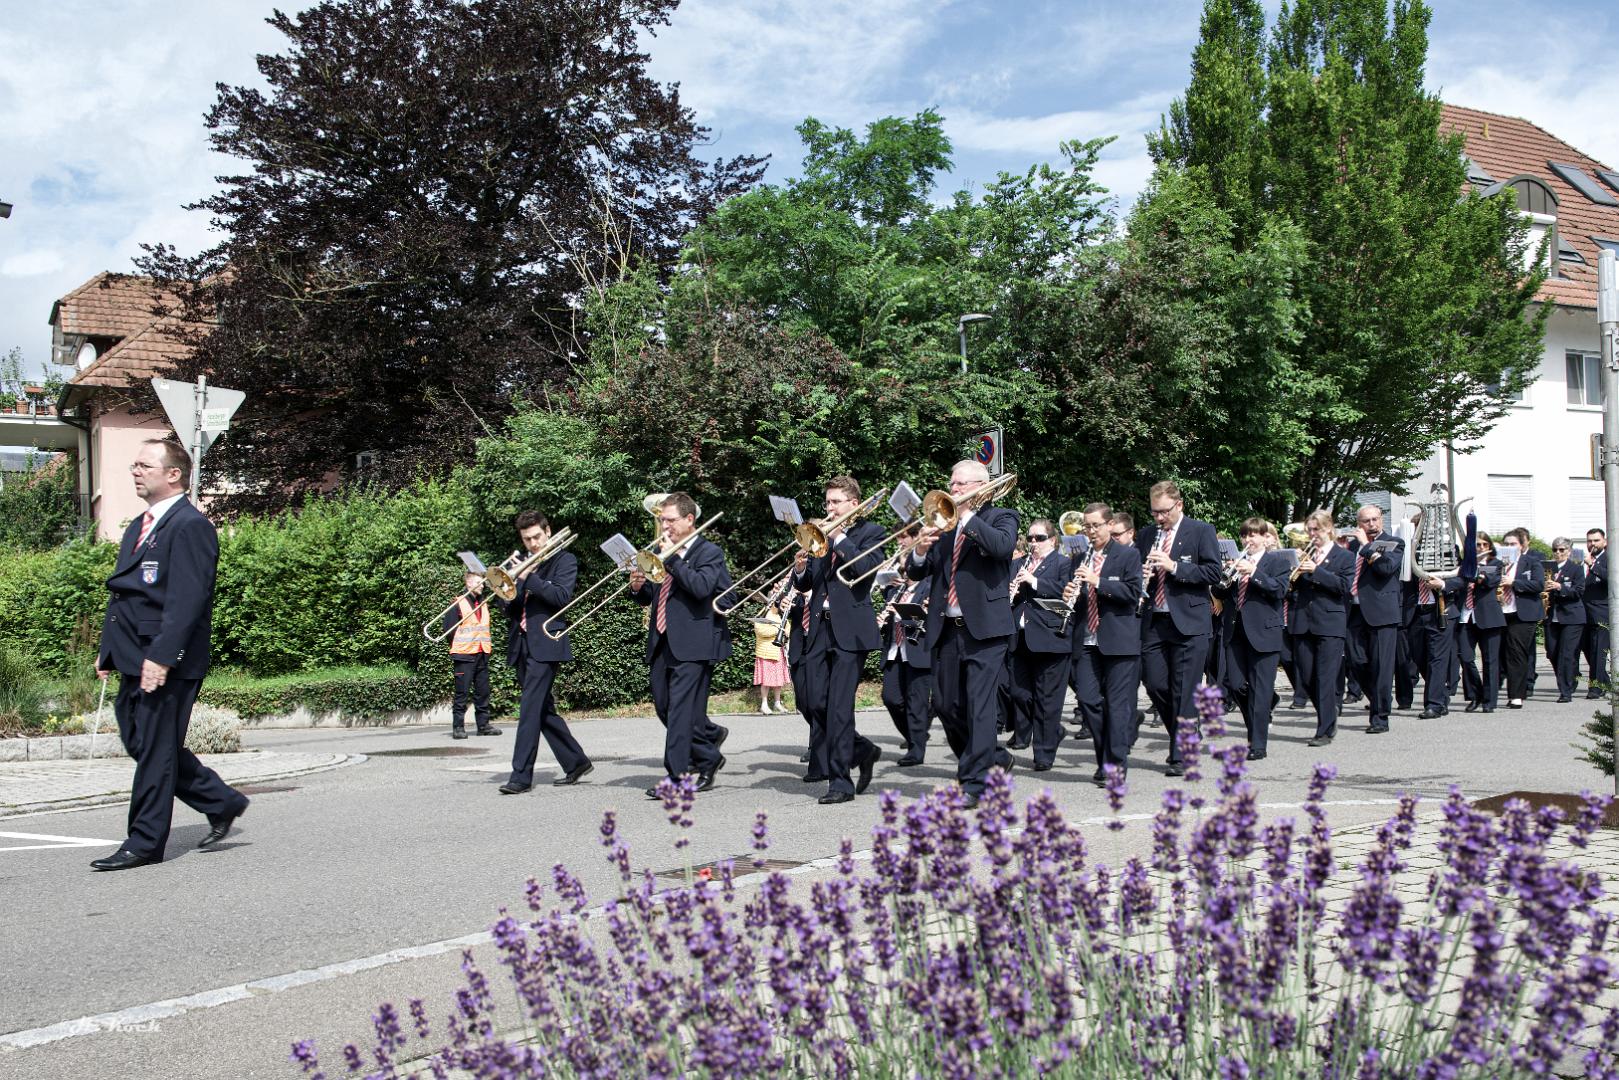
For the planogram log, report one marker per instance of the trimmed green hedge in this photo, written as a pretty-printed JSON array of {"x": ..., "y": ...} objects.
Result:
[{"x": 365, "y": 694}]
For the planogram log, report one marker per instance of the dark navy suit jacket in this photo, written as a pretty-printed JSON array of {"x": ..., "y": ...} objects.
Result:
[
  {"x": 1198, "y": 566},
  {"x": 1487, "y": 614},
  {"x": 696, "y": 633},
  {"x": 1118, "y": 630},
  {"x": 1379, "y": 589},
  {"x": 1596, "y": 589},
  {"x": 540, "y": 595},
  {"x": 162, "y": 605},
  {"x": 1260, "y": 617},
  {"x": 1320, "y": 602},
  {"x": 1036, "y": 625},
  {"x": 981, "y": 577},
  {"x": 1569, "y": 601},
  {"x": 918, "y": 650},
  {"x": 852, "y": 621},
  {"x": 1526, "y": 586}
]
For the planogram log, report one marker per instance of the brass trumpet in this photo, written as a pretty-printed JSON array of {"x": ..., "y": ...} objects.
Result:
[
  {"x": 811, "y": 537},
  {"x": 939, "y": 512},
  {"x": 1297, "y": 535}
]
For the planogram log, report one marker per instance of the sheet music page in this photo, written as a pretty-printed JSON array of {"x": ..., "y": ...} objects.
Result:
[
  {"x": 620, "y": 550},
  {"x": 473, "y": 564}
]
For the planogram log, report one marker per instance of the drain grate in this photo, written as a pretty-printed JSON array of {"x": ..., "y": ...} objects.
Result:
[
  {"x": 744, "y": 866},
  {"x": 265, "y": 789},
  {"x": 428, "y": 751}
]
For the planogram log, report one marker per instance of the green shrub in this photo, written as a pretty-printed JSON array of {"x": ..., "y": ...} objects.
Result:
[
  {"x": 210, "y": 733},
  {"x": 359, "y": 694},
  {"x": 22, "y": 693}
]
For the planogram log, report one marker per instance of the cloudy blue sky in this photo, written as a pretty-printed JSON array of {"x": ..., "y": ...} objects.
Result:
[{"x": 101, "y": 139}]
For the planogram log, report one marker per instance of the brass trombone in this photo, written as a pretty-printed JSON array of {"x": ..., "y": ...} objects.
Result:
[
  {"x": 502, "y": 579},
  {"x": 649, "y": 560},
  {"x": 438, "y": 620},
  {"x": 939, "y": 512},
  {"x": 810, "y": 537}
]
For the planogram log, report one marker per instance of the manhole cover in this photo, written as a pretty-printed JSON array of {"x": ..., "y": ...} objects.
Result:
[
  {"x": 265, "y": 789},
  {"x": 428, "y": 751},
  {"x": 744, "y": 865}
]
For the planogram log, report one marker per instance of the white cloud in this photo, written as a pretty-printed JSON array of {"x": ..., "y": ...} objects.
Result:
[
  {"x": 1579, "y": 111},
  {"x": 32, "y": 263},
  {"x": 1040, "y": 134}
]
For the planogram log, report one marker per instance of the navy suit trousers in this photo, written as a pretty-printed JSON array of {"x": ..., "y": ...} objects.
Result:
[
  {"x": 966, "y": 679},
  {"x": 1107, "y": 699},
  {"x": 1252, "y": 674},
  {"x": 1371, "y": 657},
  {"x": 1433, "y": 654},
  {"x": 153, "y": 727},
  {"x": 1482, "y": 688},
  {"x": 1319, "y": 661},
  {"x": 680, "y": 695},
  {"x": 906, "y": 694},
  {"x": 1038, "y": 682},
  {"x": 536, "y": 716},
  {"x": 1171, "y": 665},
  {"x": 830, "y": 677}
]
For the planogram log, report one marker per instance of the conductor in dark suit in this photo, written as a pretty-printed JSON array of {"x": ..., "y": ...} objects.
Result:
[
  {"x": 1253, "y": 609},
  {"x": 684, "y": 640},
  {"x": 542, "y": 591},
  {"x": 1594, "y": 642},
  {"x": 1040, "y": 658},
  {"x": 155, "y": 636},
  {"x": 1105, "y": 590},
  {"x": 1374, "y": 614},
  {"x": 840, "y": 631},
  {"x": 1565, "y": 617},
  {"x": 1319, "y": 619},
  {"x": 969, "y": 624},
  {"x": 1182, "y": 562}
]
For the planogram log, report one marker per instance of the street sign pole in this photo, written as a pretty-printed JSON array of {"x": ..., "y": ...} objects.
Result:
[
  {"x": 1608, "y": 327},
  {"x": 200, "y": 403},
  {"x": 199, "y": 414}
]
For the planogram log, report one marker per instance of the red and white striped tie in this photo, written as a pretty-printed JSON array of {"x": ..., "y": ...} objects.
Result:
[
  {"x": 1242, "y": 592},
  {"x": 146, "y": 530},
  {"x": 1469, "y": 603},
  {"x": 1424, "y": 593},
  {"x": 1354, "y": 586},
  {"x": 1160, "y": 591},
  {"x": 663, "y": 604},
  {"x": 951, "y": 599},
  {"x": 1093, "y": 617}
]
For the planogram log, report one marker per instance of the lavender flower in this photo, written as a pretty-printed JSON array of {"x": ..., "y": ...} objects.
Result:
[{"x": 1113, "y": 778}]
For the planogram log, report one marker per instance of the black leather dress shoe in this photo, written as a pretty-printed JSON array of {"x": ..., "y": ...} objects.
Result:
[
  {"x": 969, "y": 802},
  {"x": 1099, "y": 775},
  {"x": 509, "y": 788},
  {"x": 1299, "y": 703},
  {"x": 1594, "y": 695},
  {"x": 803, "y": 759},
  {"x": 122, "y": 860},
  {"x": 832, "y": 798},
  {"x": 1473, "y": 706},
  {"x": 487, "y": 731},
  {"x": 705, "y": 782},
  {"x": 725, "y": 733},
  {"x": 1491, "y": 708},
  {"x": 1175, "y": 768},
  {"x": 813, "y": 778},
  {"x": 1038, "y": 767},
  {"x": 1320, "y": 740},
  {"x": 459, "y": 733},
  {"x": 1377, "y": 729},
  {"x": 220, "y": 828},
  {"x": 572, "y": 776},
  {"x": 1564, "y": 699},
  {"x": 863, "y": 781},
  {"x": 1019, "y": 744},
  {"x": 908, "y": 761},
  {"x": 652, "y": 793},
  {"x": 1431, "y": 714},
  {"x": 1258, "y": 755}
]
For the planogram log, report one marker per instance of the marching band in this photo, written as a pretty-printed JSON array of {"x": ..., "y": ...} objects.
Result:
[{"x": 987, "y": 627}]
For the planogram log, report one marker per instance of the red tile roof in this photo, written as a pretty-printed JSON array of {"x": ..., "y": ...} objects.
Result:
[
  {"x": 109, "y": 305},
  {"x": 150, "y": 351},
  {"x": 1507, "y": 146}
]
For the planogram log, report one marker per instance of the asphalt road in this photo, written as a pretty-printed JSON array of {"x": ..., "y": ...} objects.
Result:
[{"x": 408, "y": 850}]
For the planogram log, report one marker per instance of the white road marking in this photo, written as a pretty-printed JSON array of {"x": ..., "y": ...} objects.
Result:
[
  {"x": 275, "y": 984},
  {"x": 52, "y": 841}
]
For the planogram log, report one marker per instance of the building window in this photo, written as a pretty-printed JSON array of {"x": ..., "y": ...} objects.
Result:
[
  {"x": 1511, "y": 503},
  {"x": 1584, "y": 378}
]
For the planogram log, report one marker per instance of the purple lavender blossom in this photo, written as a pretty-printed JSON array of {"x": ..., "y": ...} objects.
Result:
[{"x": 1113, "y": 778}]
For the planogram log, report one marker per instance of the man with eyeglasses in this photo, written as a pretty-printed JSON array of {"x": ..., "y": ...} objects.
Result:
[
  {"x": 969, "y": 624},
  {"x": 840, "y": 628},
  {"x": 1594, "y": 642},
  {"x": 156, "y": 636},
  {"x": 1105, "y": 590},
  {"x": 1317, "y": 606},
  {"x": 684, "y": 640},
  {"x": 1565, "y": 617},
  {"x": 1039, "y": 656},
  {"x": 1374, "y": 614},
  {"x": 1182, "y": 564}
]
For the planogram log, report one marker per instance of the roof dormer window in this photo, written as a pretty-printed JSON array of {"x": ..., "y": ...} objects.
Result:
[{"x": 1579, "y": 181}]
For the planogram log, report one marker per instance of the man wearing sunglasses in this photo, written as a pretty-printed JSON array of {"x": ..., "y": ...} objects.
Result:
[{"x": 1039, "y": 656}]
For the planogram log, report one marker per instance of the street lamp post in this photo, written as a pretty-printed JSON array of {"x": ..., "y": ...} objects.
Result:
[
  {"x": 961, "y": 329},
  {"x": 1608, "y": 328}
]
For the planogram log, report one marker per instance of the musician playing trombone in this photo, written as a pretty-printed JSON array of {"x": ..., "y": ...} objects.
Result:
[
  {"x": 542, "y": 591},
  {"x": 685, "y": 638},
  {"x": 969, "y": 624},
  {"x": 840, "y": 628}
]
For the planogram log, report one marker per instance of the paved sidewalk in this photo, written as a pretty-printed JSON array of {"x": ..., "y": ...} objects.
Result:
[{"x": 29, "y": 786}]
